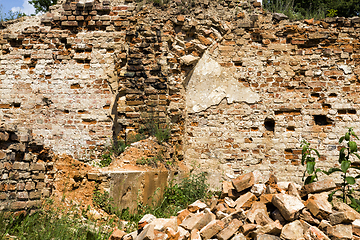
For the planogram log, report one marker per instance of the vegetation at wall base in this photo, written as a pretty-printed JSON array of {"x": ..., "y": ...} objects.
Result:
[
  {"x": 177, "y": 196},
  {"x": 51, "y": 223},
  {"x": 113, "y": 150},
  {"x": 346, "y": 154}
]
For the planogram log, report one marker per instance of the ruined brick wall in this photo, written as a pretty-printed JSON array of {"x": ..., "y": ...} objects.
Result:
[
  {"x": 239, "y": 86},
  {"x": 26, "y": 170}
]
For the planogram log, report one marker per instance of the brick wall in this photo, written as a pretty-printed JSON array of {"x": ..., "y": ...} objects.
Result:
[
  {"x": 86, "y": 72},
  {"x": 26, "y": 170}
]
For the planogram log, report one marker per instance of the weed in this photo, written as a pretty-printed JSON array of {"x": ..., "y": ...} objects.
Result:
[
  {"x": 332, "y": 13},
  {"x": 103, "y": 200},
  {"x": 176, "y": 196},
  {"x": 345, "y": 156},
  {"x": 153, "y": 126},
  {"x": 51, "y": 223},
  {"x": 112, "y": 150},
  {"x": 345, "y": 163},
  {"x": 309, "y": 160}
]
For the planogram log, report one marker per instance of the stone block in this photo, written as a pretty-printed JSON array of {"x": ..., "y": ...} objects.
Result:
[
  {"x": 273, "y": 228},
  {"x": 22, "y": 195},
  {"x": 292, "y": 231},
  {"x": 160, "y": 224},
  {"x": 319, "y": 206},
  {"x": 117, "y": 234},
  {"x": 356, "y": 227},
  {"x": 289, "y": 206},
  {"x": 21, "y": 166},
  {"x": 230, "y": 230},
  {"x": 320, "y": 186},
  {"x": 254, "y": 210},
  {"x": 313, "y": 233},
  {"x": 181, "y": 215},
  {"x": 35, "y": 195},
  {"x": 341, "y": 217},
  {"x": 18, "y": 205},
  {"x": 198, "y": 220},
  {"x": 211, "y": 229},
  {"x": 245, "y": 201},
  {"x": 195, "y": 235},
  {"x": 267, "y": 237},
  {"x": 262, "y": 218},
  {"x": 147, "y": 233},
  {"x": 37, "y": 167},
  {"x": 244, "y": 181},
  {"x": 197, "y": 205},
  {"x": 340, "y": 231}
]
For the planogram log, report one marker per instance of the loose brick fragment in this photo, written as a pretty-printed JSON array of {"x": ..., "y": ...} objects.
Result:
[{"x": 244, "y": 181}]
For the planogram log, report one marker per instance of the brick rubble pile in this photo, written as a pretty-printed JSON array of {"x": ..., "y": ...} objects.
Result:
[{"x": 248, "y": 209}]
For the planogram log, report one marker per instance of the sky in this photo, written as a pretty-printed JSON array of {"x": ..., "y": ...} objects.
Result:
[{"x": 17, "y": 5}]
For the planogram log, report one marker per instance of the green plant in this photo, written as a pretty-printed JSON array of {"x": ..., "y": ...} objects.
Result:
[
  {"x": 332, "y": 13},
  {"x": 345, "y": 162},
  {"x": 153, "y": 126},
  {"x": 113, "y": 150},
  {"x": 42, "y": 5},
  {"x": 103, "y": 200},
  {"x": 308, "y": 159},
  {"x": 51, "y": 223},
  {"x": 10, "y": 15},
  {"x": 176, "y": 196}
]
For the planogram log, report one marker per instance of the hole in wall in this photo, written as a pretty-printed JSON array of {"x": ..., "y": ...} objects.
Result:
[
  {"x": 315, "y": 95},
  {"x": 332, "y": 95},
  {"x": 290, "y": 128},
  {"x": 322, "y": 120},
  {"x": 326, "y": 106},
  {"x": 269, "y": 124},
  {"x": 16, "y": 105}
]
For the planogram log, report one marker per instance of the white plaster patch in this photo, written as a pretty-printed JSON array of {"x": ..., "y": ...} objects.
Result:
[{"x": 210, "y": 83}]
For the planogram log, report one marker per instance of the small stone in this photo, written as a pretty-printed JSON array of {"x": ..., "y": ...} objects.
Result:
[
  {"x": 292, "y": 231},
  {"x": 320, "y": 186},
  {"x": 245, "y": 201},
  {"x": 147, "y": 233},
  {"x": 230, "y": 230},
  {"x": 189, "y": 60},
  {"x": 146, "y": 219},
  {"x": 356, "y": 227},
  {"x": 197, "y": 221},
  {"x": 211, "y": 229},
  {"x": 117, "y": 234},
  {"x": 319, "y": 206},
  {"x": 244, "y": 181},
  {"x": 341, "y": 217},
  {"x": 340, "y": 231},
  {"x": 262, "y": 218},
  {"x": 313, "y": 233},
  {"x": 258, "y": 189},
  {"x": 289, "y": 206},
  {"x": 197, "y": 205}
]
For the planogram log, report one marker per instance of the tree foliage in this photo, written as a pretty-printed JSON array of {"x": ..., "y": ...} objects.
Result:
[
  {"x": 42, "y": 5},
  {"x": 10, "y": 15},
  {"x": 314, "y": 8}
]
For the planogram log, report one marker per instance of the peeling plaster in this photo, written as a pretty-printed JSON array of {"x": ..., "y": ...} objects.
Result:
[{"x": 210, "y": 83}]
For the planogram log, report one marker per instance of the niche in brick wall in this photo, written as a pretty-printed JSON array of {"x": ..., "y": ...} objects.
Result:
[
  {"x": 322, "y": 120},
  {"x": 269, "y": 124}
]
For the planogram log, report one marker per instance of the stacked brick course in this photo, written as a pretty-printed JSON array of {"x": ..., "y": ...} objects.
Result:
[{"x": 26, "y": 170}]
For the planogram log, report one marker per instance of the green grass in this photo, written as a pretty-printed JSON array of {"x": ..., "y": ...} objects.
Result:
[
  {"x": 51, "y": 224},
  {"x": 177, "y": 196}
]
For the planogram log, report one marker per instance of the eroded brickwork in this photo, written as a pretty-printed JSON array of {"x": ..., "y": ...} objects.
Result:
[
  {"x": 87, "y": 72},
  {"x": 26, "y": 170}
]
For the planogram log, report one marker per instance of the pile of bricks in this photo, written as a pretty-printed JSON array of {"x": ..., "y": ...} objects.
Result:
[{"x": 252, "y": 210}]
